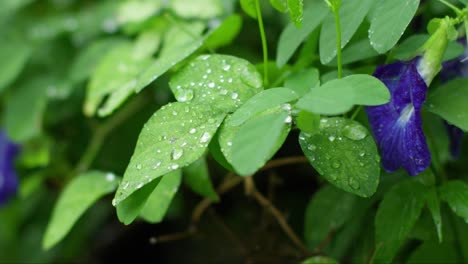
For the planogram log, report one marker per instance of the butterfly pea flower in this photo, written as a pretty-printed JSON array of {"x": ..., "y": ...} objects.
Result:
[
  {"x": 8, "y": 179},
  {"x": 397, "y": 125}
]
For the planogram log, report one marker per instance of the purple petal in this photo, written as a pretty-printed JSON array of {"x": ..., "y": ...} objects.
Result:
[
  {"x": 397, "y": 125},
  {"x": 8, "y": 179}
]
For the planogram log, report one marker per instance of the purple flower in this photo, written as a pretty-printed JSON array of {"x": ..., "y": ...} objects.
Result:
[
  {"x": 397, "y": 125},
  {"x": 8, "y": 179}
]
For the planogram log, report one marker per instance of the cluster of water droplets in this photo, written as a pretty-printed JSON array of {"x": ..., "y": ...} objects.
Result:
[
  {"x": 344, "y": 140},
  {"x": 216, "y": 78}
]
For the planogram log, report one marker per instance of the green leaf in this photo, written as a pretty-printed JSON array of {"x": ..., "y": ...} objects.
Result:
[
  {"x": 225, "y": 33},
  {"x": 86, "y": 62},
  {"x": 296, "y": 11},
  {"x": 80, "y": 194},
  {"x": 280, "y": 5},
  {"x": 178, "y": 45},
  {"x": 396, "y": 216},
  {"x": 25, "y": 108},
  {"x": 137, "y": 11},
  {"x": 302, "y": 82},
  {"x": 292, "y": 37},
  {"x": 174, "y": 137},
  {"x": 448, "y": 100},
  {"x": 14, "y": 53},
  {"x": 340, "y": 95},
  {"x": 455, "y": 193},
  {"x": 249, "y": 7},
  {"x": 433, "y": 203},
  {"x": 320, "y": 260},
  {"x": 327, "y": 211},
  {"x": 352, "y": 13},
  {"x": 117, "y": 71},
  {"x": 197, "y": 177},
  {"x": 203, "y": 9},
  {"x": 160, "y": 199},
  {"x": 129, "y": 209},
  {"x": 261, "y": 102},
  {"x": 222, "y": 81},
  {"x": 344, "y": 153},
  {"x": 389, "y": 21},
  {"x": 358, "y": 51},
  {"x": 409, "y": 48},
  {"x": 433, "y": 252},
  {"x": 308, "y": 122},
  {"x": 258, "y": 139}
]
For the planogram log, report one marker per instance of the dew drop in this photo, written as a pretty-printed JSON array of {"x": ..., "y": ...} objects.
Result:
[
  {"x": 234, "y": 96},
  {"x": 176, "y": 154},
  {"x": 227, "y": 67},
  {"x": 205, "y": 137},
  {"x": 174, "y": 166},
  {"x": 110, "y": 177},
  {"x": 311, "y": 147},
  {"x": 140, "y": 185},
  {"x": 355, "y": 132},
  {"x": 211, "y": 85},
  {"x": 184, "y": 95},
  {"x": 354, "y": 184},
  {"x": 138, "y": 167},
  {"x": 288, "y": 119},
  {"x": 331, "y": 138},
  {"x": 192, "y": 131},
  {"x": 336, "y": 164}
]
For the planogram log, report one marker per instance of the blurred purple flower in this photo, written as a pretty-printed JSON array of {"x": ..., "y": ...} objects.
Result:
[
  {"x": 397, "y": 125},
  {"x": 8, "y": 179}
]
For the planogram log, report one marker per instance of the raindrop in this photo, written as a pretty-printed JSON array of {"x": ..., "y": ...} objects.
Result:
[
  {"x": 223, "y": 92},
  {"x": 288, "y": 119},
  {"x": 114, "y": 202},
  {"x": 138, "y": 167},
  {"x": 227, "y": 67},
  {"x": 354, "y": 184},
  {"x": 110, "y": 177},
  {"x": 311, "y": 147},
  {"x": 192, "y": 131},
  {"x": 336, "y": 164},
  {"x": 155, "y": 166},
  {"x": 355, "y": 132},
  {"x": 184, "y": 95},
  {"x": 205, "y": 137},
  {"x": 331, "y": 138},
  {"x": 176, "y": 154},
  {"x": 140, "y": 185},
  {"x": 211, "y": 85},
  {"x": 234, "y": 96},
  {"x": 174, "y": 166}
]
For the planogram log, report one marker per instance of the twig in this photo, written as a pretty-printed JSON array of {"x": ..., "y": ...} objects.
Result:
[
  {"x": 102, "y": 132},
  {"x": 280, "y": 219}
]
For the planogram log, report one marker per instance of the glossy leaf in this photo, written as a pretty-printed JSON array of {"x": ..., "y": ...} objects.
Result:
[
  {"x": 25, "y": 108},
  {"x": 258, "y": 139},
  {"x": 455, "y": 193},
  {"x": 302, "y": 82},
  {"x": 203, "y": 9},
  {"x": 396, "y": 216},
  {"x": 327, "y": 211},
  {"x": 160, "y": 199},
  {"x": 174, "y": 137},
  {"x": 448, "y": 100},
  {"x": 14, "y": 53},
  {"x": 225, "y": 33},
  {"x": 389, "y": 22},
  {"x": 222, "y": 81},
  {"x": 344, "y": 153},
  {"x": 340, "y": 95},
  {"x": 352, "y": 13},
  {"x": 261, "y": 102},
  {"x": 433, "y": 203},
  {"x": 296, "y": 11},
  {"x": 197, "y": 177},
  {"x": 78, "y": 196},
  {"x": 249, "y": 7},
  {"x": 292, "y": 37},
  {"x": 280, "y": 5}
]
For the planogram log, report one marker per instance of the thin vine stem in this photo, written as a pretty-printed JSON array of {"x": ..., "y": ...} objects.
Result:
[
  {"x": 264, "y": 42},
  {"x": 457, "y": 10}
]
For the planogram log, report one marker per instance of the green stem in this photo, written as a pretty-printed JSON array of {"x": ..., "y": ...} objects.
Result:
[
  {"x": 356, "y": 112},
  {"x": 264, "y": 41},
  {"x": 338, "y": 43},
  {"x": 103, "y": 131},
  {"x": 449, "y": 5}
]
